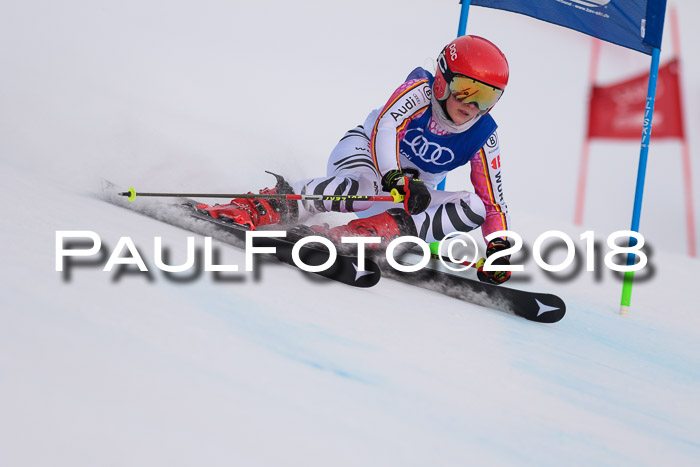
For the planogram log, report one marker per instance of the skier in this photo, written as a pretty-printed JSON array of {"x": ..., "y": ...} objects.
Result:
[{"x": 428, "y": 127}]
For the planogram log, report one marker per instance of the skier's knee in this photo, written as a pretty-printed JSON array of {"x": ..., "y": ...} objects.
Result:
[{"x": 473, "y": 207}]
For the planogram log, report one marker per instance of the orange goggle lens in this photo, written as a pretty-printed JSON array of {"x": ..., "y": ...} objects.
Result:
[{"x": 469, "y": 90}]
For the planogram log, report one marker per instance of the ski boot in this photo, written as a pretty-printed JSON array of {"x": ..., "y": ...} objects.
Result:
[
  {"x": 387, "y": 226},
  {"x": 256, "y": 212}
]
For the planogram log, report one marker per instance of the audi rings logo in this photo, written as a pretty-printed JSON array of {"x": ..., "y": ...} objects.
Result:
[{"x": 430, "y": 152}]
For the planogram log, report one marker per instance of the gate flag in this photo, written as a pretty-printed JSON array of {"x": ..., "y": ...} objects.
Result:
[
  {"x": 635, "y": 24},
  {"x": 616, "y": 110}
]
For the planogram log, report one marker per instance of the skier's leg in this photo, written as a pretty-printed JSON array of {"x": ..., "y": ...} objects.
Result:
[
  {"x": 460, "y": 211},
  {"x": 350, "y": 171},
  {"x": 449, "y": 212}
]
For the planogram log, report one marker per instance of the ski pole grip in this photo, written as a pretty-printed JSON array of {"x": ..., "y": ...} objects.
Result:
[{"x": 398, "y": 197}]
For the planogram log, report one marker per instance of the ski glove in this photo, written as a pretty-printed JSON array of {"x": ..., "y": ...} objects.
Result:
[
  {"x": 416, "y": 197},
  {"x": 494, "y": 277}
]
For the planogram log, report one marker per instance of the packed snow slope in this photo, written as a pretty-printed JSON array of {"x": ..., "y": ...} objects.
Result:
[{"x": 279, "y": 368}]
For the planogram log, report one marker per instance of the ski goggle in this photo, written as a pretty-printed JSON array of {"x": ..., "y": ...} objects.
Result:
[{"x": 468, "y": 90}]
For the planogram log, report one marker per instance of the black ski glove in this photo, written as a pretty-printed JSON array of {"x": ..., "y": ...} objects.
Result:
[
  {"x": 494, "y": 277},
  {"x": 416, "y": 197}
]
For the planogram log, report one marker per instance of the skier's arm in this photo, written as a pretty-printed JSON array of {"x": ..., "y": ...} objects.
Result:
[
  {"x": 409, "y": 101},
  {"x": 487, "y": 179}
]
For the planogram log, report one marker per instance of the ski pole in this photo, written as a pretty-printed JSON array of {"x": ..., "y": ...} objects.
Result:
[{"x": 395, "y": 197}]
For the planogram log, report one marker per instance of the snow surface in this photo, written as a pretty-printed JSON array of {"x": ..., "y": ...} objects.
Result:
[{"x": 279, "y": 368}]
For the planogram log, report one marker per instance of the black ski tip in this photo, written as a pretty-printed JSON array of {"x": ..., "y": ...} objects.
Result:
[{"x": 544, "y": 308}]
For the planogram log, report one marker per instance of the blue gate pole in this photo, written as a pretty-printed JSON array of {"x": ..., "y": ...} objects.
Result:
[
  {"x": 641, "y": 174},
  {"x": 461, "y": 30}
]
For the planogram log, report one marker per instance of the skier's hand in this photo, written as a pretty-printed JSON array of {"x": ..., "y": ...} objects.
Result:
[
  {"x": 416, "y": 196},
  {"x": 494, "y": 277}
]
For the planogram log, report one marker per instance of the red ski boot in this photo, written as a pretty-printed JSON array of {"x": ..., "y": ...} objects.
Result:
[
  {"x": 256, "y": 212},
  {"x": 388, "y": 225}
]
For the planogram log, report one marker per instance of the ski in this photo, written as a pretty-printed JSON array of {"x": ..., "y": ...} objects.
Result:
[
  {"x": 533, "y": 306},
  {"x": 345, "y": 269},
  {"x": 184, "y": 214}
]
